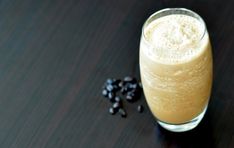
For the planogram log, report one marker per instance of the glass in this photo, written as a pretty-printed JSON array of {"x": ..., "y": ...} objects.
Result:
[{"x": 176, "y": 67}]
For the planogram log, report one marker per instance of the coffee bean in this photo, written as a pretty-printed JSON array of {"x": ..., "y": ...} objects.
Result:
[
  {"x": 133, "y": 86},
  {"x": 136, "y": 92},
  {"x": 128, "y": 79},
  {"x": 117, "y": 99},
  {"x": 124, "y": 90},
  {"x": 109, "y": 87},
  {"x": 117, "y": 105},
  {"x": 122, "y": 113},
  {"x": 140, "y": 108},
  {"x": 116, "y": 87},
  {"x": 121, "y": 84},
  {"x": 116, "y": 82},
  {"x": 128, "y": 87},
  {"x": 132, "y": 96},
  {"x": 111, "y": 96},
  {"x": 112, "y": 111},
  {"x": 109, "y": 81},
  {"x": 129, "y": 98},
  {"x": 131, "y": 93},
  {"x": 104, "y": 92}
]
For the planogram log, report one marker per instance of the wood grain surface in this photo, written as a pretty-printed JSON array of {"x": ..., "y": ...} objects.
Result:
[{"x": 56, "y": 54}]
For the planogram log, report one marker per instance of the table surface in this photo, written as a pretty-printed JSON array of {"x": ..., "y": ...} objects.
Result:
[{"x": 56, "y": 54}]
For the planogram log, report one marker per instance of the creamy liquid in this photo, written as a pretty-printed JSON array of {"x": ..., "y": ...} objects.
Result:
[{"x": 176, "y": 67}]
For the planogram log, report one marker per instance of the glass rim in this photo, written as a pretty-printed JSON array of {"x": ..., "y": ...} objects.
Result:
[{"x": 196, "y": 16}]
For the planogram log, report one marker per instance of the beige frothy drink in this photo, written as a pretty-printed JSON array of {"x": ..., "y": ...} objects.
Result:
[{"x": 176, "y": 67}]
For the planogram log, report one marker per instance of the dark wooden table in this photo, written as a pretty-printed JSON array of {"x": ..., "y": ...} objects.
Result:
[{"x": 56, "y": 54}]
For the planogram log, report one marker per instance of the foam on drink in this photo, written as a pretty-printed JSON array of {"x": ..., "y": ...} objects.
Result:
[{"x": 174, "y": 38}]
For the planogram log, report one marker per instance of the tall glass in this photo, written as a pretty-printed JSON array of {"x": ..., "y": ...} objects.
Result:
[{"x": 176, "y": 67}]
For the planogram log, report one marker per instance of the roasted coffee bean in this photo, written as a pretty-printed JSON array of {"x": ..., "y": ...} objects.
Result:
[
  {"x": 134, "y": 86},
  {"x": 110, "y": 87},
  {"x": 128, "y": 87},
  {"x": 112, "y": 111},
  {"x": 140, "y": 108},
  {"x": 124, "y": 90},
  {"x": 116, "y": 82},
  {"x": 128, "y": 79},
  {"x": 117, "y": 99},
  {"x": 129, "y": 98},
  {"x": 122, "y": 113},
  {"x": 109, "y": 81},
  {"x": 121, "y": 84},
  {"x": 116, "y": 87},
  {"x": 111, "y": 96},
  {"x": 104, "y": 92},
  {"x": 117, "y": 105},
  {"x": 132, "y": 96},
  {"x": 139, "y": 89},
  {"x": 131, "y": 93},
  {"x": 136, "y": 92}
]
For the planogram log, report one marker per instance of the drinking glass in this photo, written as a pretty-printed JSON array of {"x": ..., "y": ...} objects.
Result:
[{"x": 177, "y": 89}]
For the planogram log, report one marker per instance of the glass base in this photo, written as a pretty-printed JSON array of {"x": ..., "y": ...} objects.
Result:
[{"x": 185, "y": 126}]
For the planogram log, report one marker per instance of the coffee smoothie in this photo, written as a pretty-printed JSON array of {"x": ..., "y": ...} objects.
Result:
[{"x": 176, "y": 67}]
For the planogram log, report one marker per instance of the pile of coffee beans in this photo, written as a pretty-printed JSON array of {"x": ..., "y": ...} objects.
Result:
[{"x": 116, "y": 89}]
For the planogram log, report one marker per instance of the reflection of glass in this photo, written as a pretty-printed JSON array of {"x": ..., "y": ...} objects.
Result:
[{"x": 176, "y": 67}]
